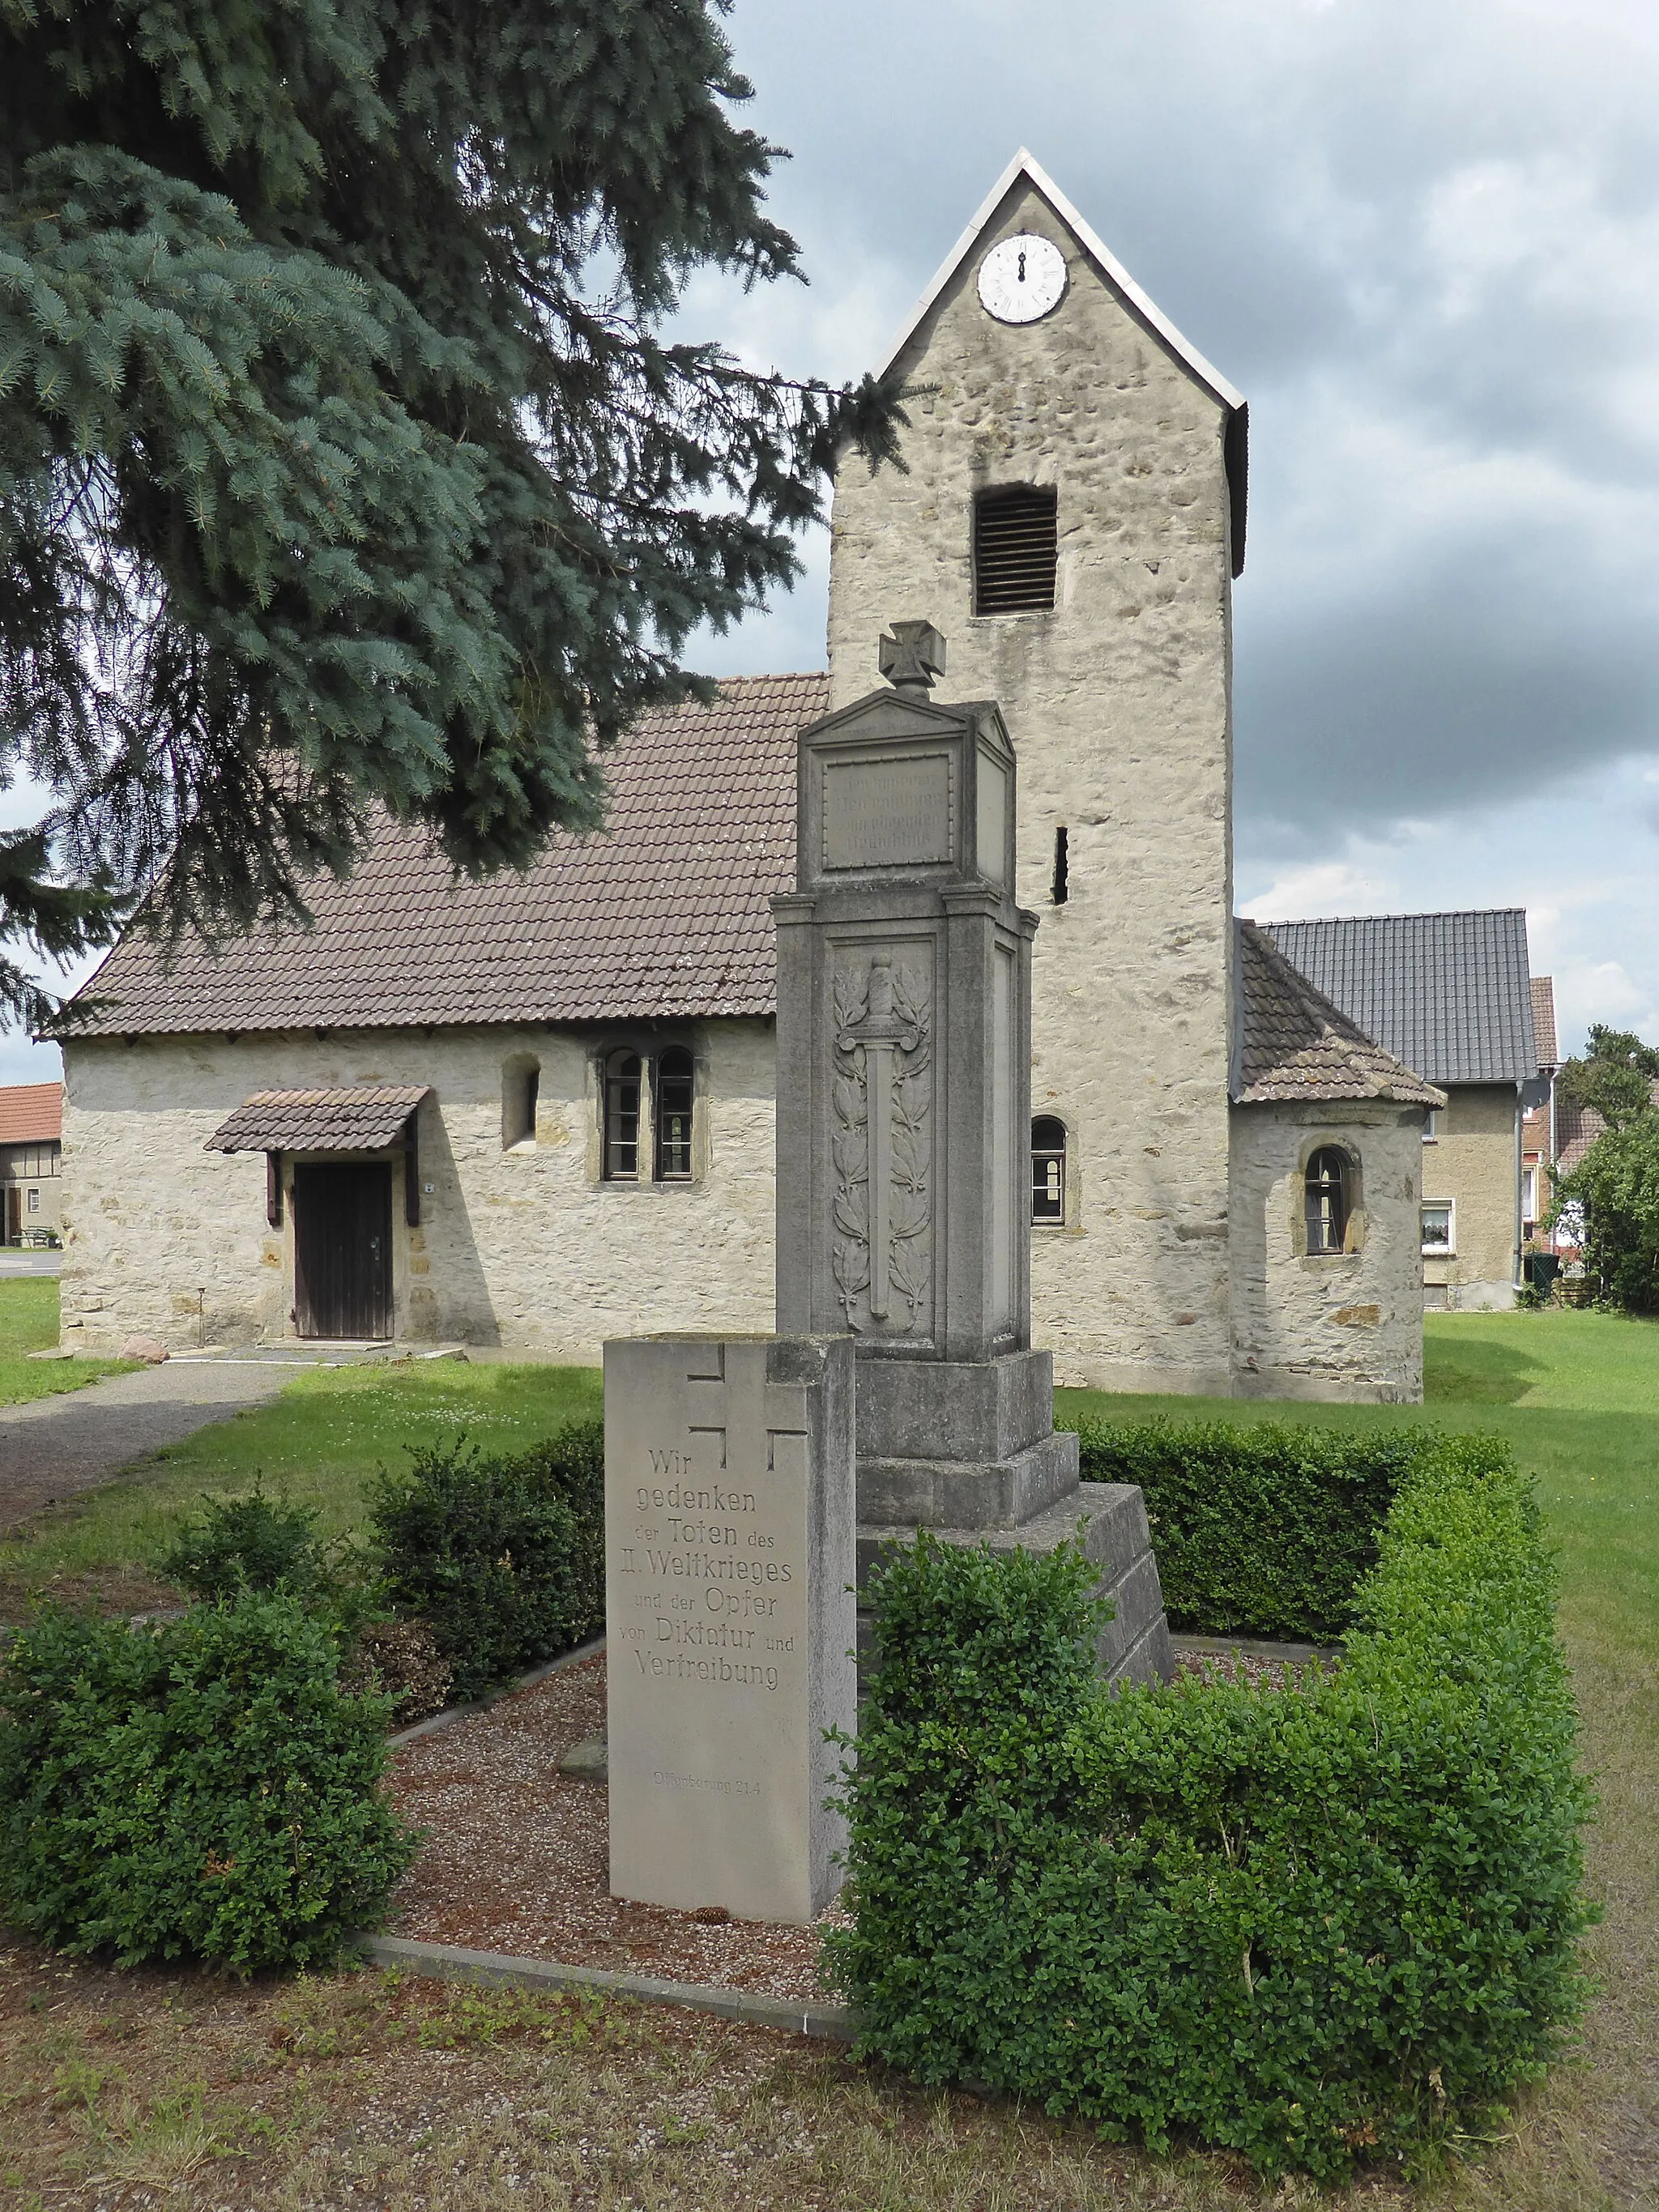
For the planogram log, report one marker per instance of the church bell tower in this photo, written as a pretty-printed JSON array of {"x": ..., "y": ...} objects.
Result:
[{"x": 1072, "y": 519}]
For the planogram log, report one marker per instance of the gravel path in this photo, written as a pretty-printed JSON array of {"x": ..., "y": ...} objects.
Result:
[{"x": 54, "y": 1448}]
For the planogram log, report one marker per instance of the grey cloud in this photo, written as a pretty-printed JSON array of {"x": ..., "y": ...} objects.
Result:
[{"x": 1268, "y": 174}]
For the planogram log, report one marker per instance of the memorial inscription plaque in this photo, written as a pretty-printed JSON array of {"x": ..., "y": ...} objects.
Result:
[
  {"x": 889, "y": 814},
  {"x": 729, "y": 1562}
]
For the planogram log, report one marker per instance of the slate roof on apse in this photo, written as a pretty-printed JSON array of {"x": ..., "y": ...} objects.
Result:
[
  {"x": 664, "y": 912},
  {"x": 1295, "y": 1044},
  {"x": 363, "y": 1119},
  {"x": 1450, "y": 994},
  {"x": 30, "y": 1113}
]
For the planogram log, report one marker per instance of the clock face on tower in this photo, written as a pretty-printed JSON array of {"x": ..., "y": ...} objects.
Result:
[{"x": 1021, "y": 280}]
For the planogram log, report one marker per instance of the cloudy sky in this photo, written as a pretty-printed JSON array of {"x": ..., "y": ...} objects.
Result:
[{"x": 1424, "y": 241}]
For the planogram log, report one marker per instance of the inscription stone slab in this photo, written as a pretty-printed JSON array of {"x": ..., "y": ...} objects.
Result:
[
  {"x": 887, "y": 814},
  {"x": 730, "y": 1558}
]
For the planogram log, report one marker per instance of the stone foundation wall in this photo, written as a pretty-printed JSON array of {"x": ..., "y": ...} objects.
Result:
[
  {"x": 1344, "y": 1326},
  {"x": 524, "y": 1248}
]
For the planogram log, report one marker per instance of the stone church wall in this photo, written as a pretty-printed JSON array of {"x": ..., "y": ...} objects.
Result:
[
  {"x": 522, "y": 1248},
  {"x": 1345, "y": 1326},
  {"x": 1117, "y": 704}
]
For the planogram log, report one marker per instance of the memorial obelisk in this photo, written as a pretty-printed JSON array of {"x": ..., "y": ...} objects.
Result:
[{"x": 903, "y": 1117}]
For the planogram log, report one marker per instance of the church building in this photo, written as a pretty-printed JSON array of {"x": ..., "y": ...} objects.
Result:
[{"x": 537, "y": 1111}]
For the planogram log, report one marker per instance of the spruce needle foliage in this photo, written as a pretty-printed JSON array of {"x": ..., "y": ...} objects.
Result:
[{"x": 344, "y": 463}]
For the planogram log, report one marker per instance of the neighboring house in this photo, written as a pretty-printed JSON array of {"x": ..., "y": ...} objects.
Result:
[
  {"x": 31, "y": 1161},
  {"x": 1538, "y": 1132},
  {"x": 537, "y": 1111},
  {"x": 1450, "y": 994}
]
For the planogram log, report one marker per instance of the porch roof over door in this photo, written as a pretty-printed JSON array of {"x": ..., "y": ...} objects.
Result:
[{"x": 319, "y": 1121}]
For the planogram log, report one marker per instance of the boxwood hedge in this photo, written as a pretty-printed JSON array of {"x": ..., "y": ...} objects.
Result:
[
  {"x": 1315, "y": 1927},
  {"x": 200, "y": 1790},
  {"x": 502, "y": 1555},
  {"x": 1259, "y": 1529}
]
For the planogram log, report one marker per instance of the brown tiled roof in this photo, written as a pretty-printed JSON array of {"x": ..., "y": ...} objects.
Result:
[
  {"x": 319, "y": 1121},
  {"x": 1543, "y": 1019},
  {"x": 30, "y": 1113},
  {"x": 1294, "y": 1043},
  {"x": 1577, "y": 1128},
  {"x": 664, "y": 912}
]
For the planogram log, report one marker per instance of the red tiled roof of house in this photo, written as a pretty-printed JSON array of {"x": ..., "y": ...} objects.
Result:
[
  {"x": 1543, "y": 1020},
  {"x": 30, "y": 1113},
  {"x": 1295, "y": 1044},
  {"x": 1577, "y": 1128},
  {"x": 663, "y": 914}
]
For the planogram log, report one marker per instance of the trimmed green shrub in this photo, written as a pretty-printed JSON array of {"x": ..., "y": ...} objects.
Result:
[
  {"x": 1260, "y": 1530},
  {"x": 252, "y": 1542},
  {"x": 503, "y": 1557},
  {"x": 1313, "y": 1926},
  {"x": 199, "y": 1790}
]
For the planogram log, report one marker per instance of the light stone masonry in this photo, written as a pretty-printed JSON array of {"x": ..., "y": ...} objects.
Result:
[
  {"x": 1344, "y": 1325},
  {"x": 1117, "y": 704},
  {"x": 523, "y": 1248}
]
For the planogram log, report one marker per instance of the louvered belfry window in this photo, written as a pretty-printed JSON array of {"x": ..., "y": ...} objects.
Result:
[{"x": 1015, "y": 546}]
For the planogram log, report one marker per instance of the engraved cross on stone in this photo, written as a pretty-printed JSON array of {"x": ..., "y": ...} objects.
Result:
[
  {"x": 913, "y": 656},
  {"x": 745, "y": 1428},
  {"x": 880, "y": 1031}
]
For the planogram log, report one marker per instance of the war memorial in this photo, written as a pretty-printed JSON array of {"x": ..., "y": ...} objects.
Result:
[{"x": 752, "y": 1482}]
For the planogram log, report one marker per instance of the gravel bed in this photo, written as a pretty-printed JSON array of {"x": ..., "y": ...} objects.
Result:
[
  {"x": 516, "y": 1858},
  {"x": 1248, "y": 1667}
]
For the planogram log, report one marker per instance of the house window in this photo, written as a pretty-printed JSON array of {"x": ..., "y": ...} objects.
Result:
[
  {"x": 521, "y": 1083},
  {"x": 1047, "y": 1170},
  {"x": 622, "y": 1118},
  {"x": 1431, "y": 1126},
  {"x": 1328, "y": 1200},
  {"x": 1529, "y": 1199},
  {"x": 1439, "y": 1230},
  {"x": 673, "y": 1103},
  {"x": 35, "y": 1201},
  {"x": 1016, "y": 550}
]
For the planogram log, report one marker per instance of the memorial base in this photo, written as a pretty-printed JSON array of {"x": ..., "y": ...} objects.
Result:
[
  {"x": 967, "y": 1450},
  {"x": 1110, "y": 1517}
]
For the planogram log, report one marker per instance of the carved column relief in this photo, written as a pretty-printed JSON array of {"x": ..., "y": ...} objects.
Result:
[{"x": 882, "y": 1098}]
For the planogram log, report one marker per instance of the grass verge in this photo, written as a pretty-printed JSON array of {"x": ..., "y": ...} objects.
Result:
[
  {"x": 318, "y": 1443},
  {"x": 29, "y": 1322}
]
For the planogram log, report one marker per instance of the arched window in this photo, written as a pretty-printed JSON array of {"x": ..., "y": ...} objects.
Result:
[
  {"x": 1329, "y": 1198},
  {"x": 673, "y": 1105},
  {"x": 521, "y": 1079},
  {"x": 1047, "y": 1168},
  {"x": 622, "y": 1118}
]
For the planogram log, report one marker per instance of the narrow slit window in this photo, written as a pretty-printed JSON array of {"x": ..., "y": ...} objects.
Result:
[
  {"x": 1328, "y": 1200},
  {"x": 1062, "y": 883},
  {"x": 674, "y": 1102},
  {"x": 1047, "y": 1170},
  {"x": 622, "y": 1118},
  {"x": 1016, "y": 550}
]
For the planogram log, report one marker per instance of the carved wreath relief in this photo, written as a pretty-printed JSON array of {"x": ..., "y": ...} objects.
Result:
[{"x": 882, "y": 1098}]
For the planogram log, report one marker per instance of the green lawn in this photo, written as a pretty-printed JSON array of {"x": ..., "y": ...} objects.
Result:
[
  {"x": 29, "y": 1322},
  {"x": 318, "y": 1443}
]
